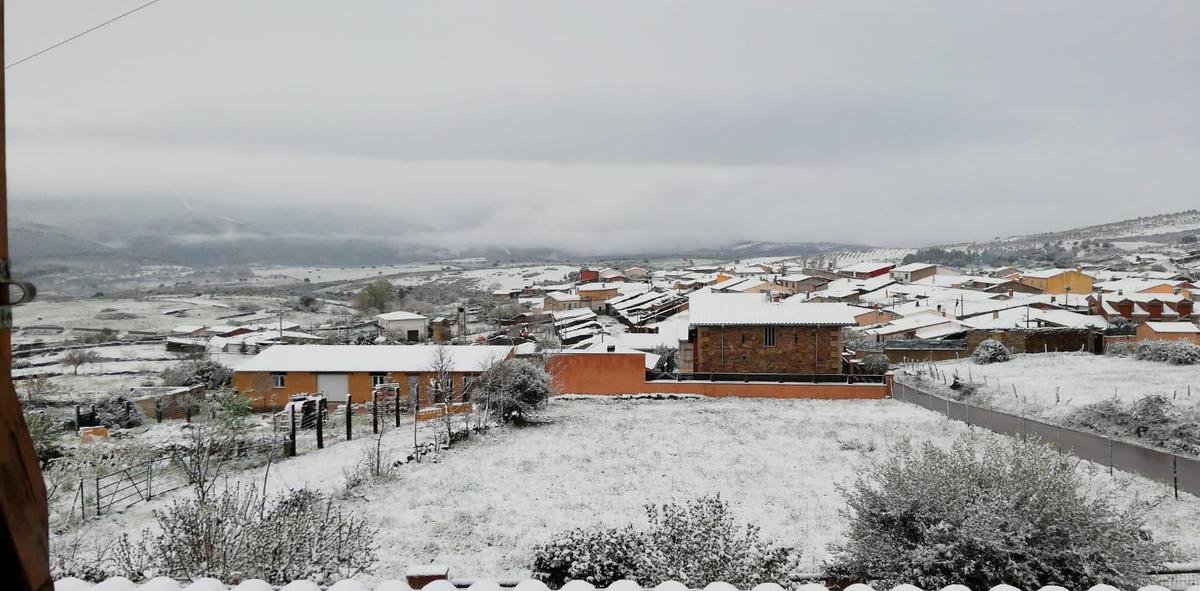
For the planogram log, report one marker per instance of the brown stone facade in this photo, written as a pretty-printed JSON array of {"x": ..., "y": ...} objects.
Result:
[{"x": 744, "y": 349}]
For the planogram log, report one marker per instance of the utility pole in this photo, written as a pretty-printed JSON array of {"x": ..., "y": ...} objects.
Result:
[{"x": 24, "y": 517}]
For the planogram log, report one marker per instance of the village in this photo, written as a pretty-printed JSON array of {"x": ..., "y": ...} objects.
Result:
[{"x": 399, "y": 369}]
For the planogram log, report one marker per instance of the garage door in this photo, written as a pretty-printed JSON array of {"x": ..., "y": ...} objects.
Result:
[{"x": 335, "y": 386}]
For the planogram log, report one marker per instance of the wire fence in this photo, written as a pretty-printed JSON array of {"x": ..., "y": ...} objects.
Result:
[{"x": 1182, "y": 473}]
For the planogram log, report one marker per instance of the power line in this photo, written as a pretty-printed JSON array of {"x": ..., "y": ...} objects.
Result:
[{"x": 78, "y": 35}]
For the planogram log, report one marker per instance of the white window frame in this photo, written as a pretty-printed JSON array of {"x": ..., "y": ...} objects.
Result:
[{"x": 278, "y": 381}]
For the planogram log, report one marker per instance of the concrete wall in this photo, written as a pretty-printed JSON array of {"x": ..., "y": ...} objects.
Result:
[
  {"x": 741, "y": 349},
  {"x": 621, "y": 373}
]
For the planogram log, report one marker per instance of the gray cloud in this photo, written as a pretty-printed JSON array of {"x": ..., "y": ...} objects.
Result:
[{"x": 640, "y": 125}]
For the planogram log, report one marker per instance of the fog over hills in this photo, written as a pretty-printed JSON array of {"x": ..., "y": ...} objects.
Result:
[{"x": 178, "y": 232}]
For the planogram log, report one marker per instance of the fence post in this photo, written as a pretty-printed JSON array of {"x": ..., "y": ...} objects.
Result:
[
  {"x": 292, "y": 430},
  {"x": 158, "y": 410},
  {"x": 349, "y": 419},
  {"x": 128, "y": 411},
  {"x": 1110, "y": 468},
  {"x": 149, "y": 479},
  {"x": 78, "y": 419},
  {"x": 97, "y": 495},
  {"x": 321, "y": 424},
  {"x": 375, "y": 412},
  {"x": 397, "y": 401},
  {"x": 187, "y": 411},
  {"x": 93, "y": 420},
  {"x": 82, "y": 501},
  {"x": 1175, "y": 474}
]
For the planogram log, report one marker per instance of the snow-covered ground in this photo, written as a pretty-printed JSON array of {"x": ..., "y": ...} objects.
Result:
[
  {"x": 485, "y": 504},
  {"x": 520, "y": 276},
  {"x": 1079, "y": 379},
  {"x": 325, "y": 274}
]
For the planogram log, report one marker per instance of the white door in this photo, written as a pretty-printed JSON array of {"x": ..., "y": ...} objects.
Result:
[{"x": 334, "y": 386}]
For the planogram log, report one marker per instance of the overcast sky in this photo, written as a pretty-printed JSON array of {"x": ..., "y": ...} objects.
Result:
[{"x": 623, "y": 125}]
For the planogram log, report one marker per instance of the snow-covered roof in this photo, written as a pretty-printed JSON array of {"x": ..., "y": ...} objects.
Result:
[
  {"x": 909, "y": 268},
  {"x": 1048, "y": 273},
  {"x": 399, "y": 315},
  {"x": 559, "y": 296},
  {"x": 598, "y": 286},
  {"x": 755, "y": 309},
  {"x": 359, "y": 358},
  {"x": 867, "y": 267},
  {"x": 1174, "y": 327},
  {"x": 1030, "y": 317}
]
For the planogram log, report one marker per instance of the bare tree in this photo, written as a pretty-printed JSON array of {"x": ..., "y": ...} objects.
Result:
[
  {"x": 441, "y": 384},
  {"x": 78, "y": 357}
]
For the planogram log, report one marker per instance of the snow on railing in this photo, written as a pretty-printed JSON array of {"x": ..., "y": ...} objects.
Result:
[{"x": 166, "y": 584}]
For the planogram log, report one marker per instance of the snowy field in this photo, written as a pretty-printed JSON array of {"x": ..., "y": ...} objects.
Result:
[
  {"x": 1079, "y": 379},
  {"x": 482, "y": 507},
  {"x": 520, "y": 276},
  {"x": 325, "y": 274}
]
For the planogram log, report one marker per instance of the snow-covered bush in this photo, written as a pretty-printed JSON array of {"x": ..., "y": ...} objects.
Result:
[
  {"x": 1119, "y": 349},
  {"x": 979, "y": 514},
  {"x": 991, "y": 351},
  {"x": 45, "y": 432},
  {"x": 876, "y": 363},
  {"x": 512, "y": 389},
  {"x": 694, "y": 543},
  {"x": 237, "y": 535},
  {"x": 1152, "y": 419},
  {"x": 1173, "y": 352},
  {"x": 600, "y": 557},
  {"x": 210, "y": 374}
]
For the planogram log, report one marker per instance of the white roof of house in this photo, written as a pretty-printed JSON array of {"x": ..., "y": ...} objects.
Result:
[
  {"x": 399, "y": 315},
  {"x": 866, "y": 267},
  {"x": 358, "y": 358},
  {"x": 598, "y": 286},
  {"x": 1048, "y": 273},
  {"x": 1174, "y": 327},
  {"x": 1027, "y": 316},
  {"x": 909, "y": 268},
  {"x": 559, "y": 296},
  {"x": 754, "y": 309}
]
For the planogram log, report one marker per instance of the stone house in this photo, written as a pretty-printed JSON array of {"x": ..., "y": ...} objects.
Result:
[{"x": 747, "y": 333}]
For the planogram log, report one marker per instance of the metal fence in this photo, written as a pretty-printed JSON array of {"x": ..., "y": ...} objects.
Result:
[{"x": 1182, "y": 473}]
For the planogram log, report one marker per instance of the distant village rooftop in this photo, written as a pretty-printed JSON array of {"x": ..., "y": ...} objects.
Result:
[{"x": 371, "y": 358}]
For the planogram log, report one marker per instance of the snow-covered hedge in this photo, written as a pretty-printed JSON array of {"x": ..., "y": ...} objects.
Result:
[
  {"x": 970, "y": 515},
  {"x": 1173, "y": 352},
  {"x": 694, "y": 543},
  {"x": 991, "y": 351}
]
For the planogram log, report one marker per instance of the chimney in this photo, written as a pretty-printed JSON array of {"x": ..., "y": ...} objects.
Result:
[{"x": 612, "y": 348}]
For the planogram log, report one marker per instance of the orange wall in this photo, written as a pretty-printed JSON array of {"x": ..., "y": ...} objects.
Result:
[
  {"x": 625, "y": 373},
  {"x": 1145, "y": 334},
  {"x": 254, "y": 384}
]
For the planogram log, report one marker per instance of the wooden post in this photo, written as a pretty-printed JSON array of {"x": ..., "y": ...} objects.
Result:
[
  {"x": 158, "y": 410},
  {"x": 321, "y": 424},
  {"x": 349, "y": 419},
  {"x": 82, "y": 501},
  {"x": 292, "y": 430},
  {"x": 128, "y": 411},
  {"x": 397, "y": 409},
  {"x": 149, "y": 479},
  {"x": 187, "y": 411},
  {"x": 93, "y": 419},
  {"x": 97, "y": 495},
  {"x": 375, "y": 412},
  {"x": 78, "y": 419}
]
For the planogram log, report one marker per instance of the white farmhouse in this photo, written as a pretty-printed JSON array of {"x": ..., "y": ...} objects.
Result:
[{"x": 405, "y": 326}]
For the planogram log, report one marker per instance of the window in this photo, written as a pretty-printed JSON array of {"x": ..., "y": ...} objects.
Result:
[
  {"x": 467, "y": 381},
  {"x": 278, "y": 380},
  {"x": 379, "y": 379},
  {"x": 769, "y": 336}
]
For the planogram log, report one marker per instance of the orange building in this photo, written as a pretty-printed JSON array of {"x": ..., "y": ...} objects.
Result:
[
  {"x": 1168, "y": 331},
  {"x": 339, "y": 372}
]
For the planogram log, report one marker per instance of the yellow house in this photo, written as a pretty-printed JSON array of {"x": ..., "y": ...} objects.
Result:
[{"x": 1058, "y": 281}]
